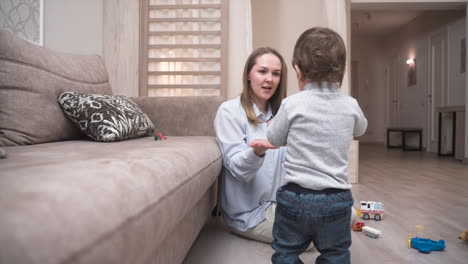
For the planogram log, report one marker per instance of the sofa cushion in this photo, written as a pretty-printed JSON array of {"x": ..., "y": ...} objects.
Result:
[
  {"x": 194, "y": 114},
  {"x": 85, "y": 202},
  {"x": 31, "y": 78},
  {"x": 106, "y": 118}
]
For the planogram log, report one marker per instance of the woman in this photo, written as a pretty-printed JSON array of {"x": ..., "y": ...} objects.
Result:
[{"x": 252, "y": 175}]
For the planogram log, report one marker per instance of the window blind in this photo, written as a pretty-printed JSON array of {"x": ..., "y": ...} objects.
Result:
[{"x": 183, "y": 48}]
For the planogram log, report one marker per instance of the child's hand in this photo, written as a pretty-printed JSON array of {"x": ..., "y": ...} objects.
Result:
[{"x": 260, "y": 146}]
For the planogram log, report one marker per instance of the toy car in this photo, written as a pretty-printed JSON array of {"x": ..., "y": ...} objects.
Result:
[
  {"x": 371, "y": 232},
  {"x": 370, "y": 209},
  {"x": 425, "y": 245},
  {"x": 357, "y": 227}
]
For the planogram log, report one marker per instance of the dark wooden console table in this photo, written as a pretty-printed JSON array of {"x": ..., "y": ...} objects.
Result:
[{"x": 404, "y": 131}]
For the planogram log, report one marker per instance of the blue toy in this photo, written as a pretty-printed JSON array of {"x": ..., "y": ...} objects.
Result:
[{"x": 425, "y": 245}]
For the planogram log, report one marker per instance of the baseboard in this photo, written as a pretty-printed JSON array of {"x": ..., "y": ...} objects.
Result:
[{"x": 371, "y": 141}]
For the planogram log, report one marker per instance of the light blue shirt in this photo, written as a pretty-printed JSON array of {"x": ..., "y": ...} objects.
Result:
[
  {"x": 318, "y": 125},
  {"x": 248, "y": 183}
]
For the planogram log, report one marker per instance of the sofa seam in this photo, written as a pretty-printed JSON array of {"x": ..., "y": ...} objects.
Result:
[
  {"x": 54, "y": 73},
  {"x": 130, "y": 219}
]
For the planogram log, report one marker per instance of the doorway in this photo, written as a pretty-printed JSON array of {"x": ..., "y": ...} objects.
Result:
[
  {"x": 398, "y": 102},
  {"x": 437, "y": 84},
  {"x": 391, "y": 87}
]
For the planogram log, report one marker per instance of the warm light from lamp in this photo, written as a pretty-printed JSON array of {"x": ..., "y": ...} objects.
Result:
[{"x": 410, "y": 61}]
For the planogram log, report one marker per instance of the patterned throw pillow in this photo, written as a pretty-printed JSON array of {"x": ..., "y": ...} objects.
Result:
[{"x": 106, "y": 118}]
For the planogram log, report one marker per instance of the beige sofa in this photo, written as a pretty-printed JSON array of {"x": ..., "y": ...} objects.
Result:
[{"x": 67, "y": 199}]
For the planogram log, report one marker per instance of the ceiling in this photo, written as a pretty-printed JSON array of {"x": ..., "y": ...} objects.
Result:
[{"x": 379, "y": 19}]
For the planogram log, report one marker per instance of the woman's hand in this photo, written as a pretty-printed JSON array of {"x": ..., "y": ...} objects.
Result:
[{"x": 260, "y": 146}]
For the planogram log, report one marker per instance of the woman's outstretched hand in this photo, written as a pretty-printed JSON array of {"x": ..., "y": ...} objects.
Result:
[{"x": 260, "y": 146}]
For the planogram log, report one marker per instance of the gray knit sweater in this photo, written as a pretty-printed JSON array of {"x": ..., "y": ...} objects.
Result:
[{"x": 317, "y": 125}]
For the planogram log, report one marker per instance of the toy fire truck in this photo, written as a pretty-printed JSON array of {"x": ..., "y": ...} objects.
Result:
[{"x": 370, "y": 210}]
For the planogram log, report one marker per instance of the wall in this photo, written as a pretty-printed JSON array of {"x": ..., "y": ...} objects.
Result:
[
  {"x": 121, "y": 45},
  {"x": 278, "y": 24},
  {"x": 456, "y": 81},
  {"x": 105, "y": 27},
  {"x": 73, "y": 26},
  {"x": 240, "y": 43},
  {"x": 370, "y": 90},
  {"x": 456, "y": 78}
]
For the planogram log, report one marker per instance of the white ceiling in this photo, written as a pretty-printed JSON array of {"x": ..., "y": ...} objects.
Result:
[{"x": 379, "y": 19}]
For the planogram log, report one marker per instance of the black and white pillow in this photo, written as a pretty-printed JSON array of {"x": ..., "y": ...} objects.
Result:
[{"x": 106, "y": 118}]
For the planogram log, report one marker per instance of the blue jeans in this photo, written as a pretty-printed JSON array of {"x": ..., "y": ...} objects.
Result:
[{"x": 305, "y": 216}]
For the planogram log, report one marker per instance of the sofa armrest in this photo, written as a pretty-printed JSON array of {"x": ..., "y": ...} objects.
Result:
[{"x": 181, "y": 116}]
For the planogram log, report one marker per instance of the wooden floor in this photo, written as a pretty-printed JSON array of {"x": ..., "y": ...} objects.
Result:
[{"x": 417, "y": 188}]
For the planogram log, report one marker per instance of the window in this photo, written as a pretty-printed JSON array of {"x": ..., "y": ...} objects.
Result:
[{"x": 183, "y": 47}]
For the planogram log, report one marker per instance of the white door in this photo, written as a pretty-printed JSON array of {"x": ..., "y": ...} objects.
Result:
[
  {"x": 437, "y": 84},
  {"x": 394, "y": 100},
  {"x": 391, "y": 93}
]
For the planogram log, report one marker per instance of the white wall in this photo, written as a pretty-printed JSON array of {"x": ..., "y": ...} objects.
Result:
[
  {"x": 279, "y": 23},
  {"x": 240, "y": 43},
  {"x": 456, "y": 79},
  {"x": 456, "y": 83},
  {"x": 370, "y": 90},
  {"x": 73, "y": 26},
  {"x": 121, "y": 45}
]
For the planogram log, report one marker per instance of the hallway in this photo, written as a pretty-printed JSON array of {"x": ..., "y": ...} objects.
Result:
[{"x": 417, "y": 188}]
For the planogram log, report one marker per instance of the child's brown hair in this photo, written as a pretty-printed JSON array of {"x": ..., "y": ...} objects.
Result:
[{"x": 320, "y": 54}]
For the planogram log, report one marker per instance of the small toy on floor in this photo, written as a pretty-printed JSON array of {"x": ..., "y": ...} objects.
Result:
[
  {"x": 425, "y": 245},
  {"x": 464, "y": 236},
  {"x": 159, "y": 136},
  {"x": 370, "y": 209},
  {"x": 371, "y": 232},
  {"x": 357, "y": 227}
]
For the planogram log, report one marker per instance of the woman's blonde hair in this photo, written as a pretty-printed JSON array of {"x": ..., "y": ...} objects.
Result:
[{"x": 247, "y": 96}]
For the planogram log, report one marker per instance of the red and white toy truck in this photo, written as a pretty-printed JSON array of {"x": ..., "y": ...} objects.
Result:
[{"x": 370, "y": 210}]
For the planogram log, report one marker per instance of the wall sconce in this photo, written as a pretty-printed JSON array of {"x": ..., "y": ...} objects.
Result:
[{"x": 411, "y": 71}]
